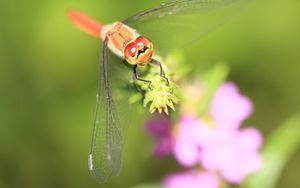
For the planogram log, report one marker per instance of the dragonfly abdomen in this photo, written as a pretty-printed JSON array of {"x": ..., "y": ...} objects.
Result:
[{"x": 85, "y": 23}]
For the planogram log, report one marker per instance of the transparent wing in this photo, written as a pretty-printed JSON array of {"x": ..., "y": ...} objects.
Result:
[
  {"x": 181, "y": 22},
  {"x": 110, "y": 122}
]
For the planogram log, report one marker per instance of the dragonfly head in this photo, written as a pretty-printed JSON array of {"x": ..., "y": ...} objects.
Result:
[{"x": 139, "y": 51}]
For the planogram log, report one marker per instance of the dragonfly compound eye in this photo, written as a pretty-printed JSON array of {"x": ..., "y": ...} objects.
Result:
[
  {"x": 130, "y": 52},
  {"x": 145, "y": 50},
  {"x": 143, "y": 41}
]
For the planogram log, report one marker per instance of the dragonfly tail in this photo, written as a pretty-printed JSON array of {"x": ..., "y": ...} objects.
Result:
[{"x": 85, "y": 23}]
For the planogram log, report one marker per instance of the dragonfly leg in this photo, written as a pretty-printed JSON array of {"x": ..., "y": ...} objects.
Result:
[
  {"x": 136, "y": 76},
  {"x": 162, "y": 72}
]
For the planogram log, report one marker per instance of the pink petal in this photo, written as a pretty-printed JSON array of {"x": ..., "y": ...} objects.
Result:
[
  {"x": 191, "y": 179},
  {"x": 159, "y": 126},
  {"x": 219, "y": 151},
  {"x": 185, "y": 153},
  {"x": 251, "y": 138},
  {"x": 163, "y": 147},
  {"x": 229, "y": 106},
  {"x": 233, "y": 153},
  {"x": 191, "y": 134},
  {"x": 243, "y": 167}
]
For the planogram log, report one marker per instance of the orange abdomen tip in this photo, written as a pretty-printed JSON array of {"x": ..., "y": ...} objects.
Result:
[{"x": 85, "y": 23}]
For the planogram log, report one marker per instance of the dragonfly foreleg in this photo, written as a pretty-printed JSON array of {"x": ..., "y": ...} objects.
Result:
[
  {"x": 162, "y": 72},
  {"x": 136, "y": 76}
]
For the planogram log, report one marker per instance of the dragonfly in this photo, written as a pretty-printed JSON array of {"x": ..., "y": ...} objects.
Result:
[{"x": 121, "y": 38}]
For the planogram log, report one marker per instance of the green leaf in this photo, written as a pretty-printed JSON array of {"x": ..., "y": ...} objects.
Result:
[
  {"x": 213, "y": 79},
  {"x": 148, "y": 185},
  {"x": 280, "y": 145}
]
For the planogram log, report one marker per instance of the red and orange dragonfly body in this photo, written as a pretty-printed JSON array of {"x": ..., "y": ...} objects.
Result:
[
  {"x": 107, "y": 140},
  {"x": 121, "y": 39}
]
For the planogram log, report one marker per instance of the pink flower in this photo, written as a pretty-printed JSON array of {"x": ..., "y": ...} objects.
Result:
[
  {"x": 217, "y": 142},
  {"x": 160, "y": 127},
  {"x": 191, "y": 179}
]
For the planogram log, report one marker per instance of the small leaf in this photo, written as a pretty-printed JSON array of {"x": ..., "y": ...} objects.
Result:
[
  {"x": 213, "y": 79},
  {"x": 134, "y": 98},
  {"x": 280, "y": 145}
]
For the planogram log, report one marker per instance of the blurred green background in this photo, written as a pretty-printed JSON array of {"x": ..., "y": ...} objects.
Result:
[{"x": 49, "y": 80}]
